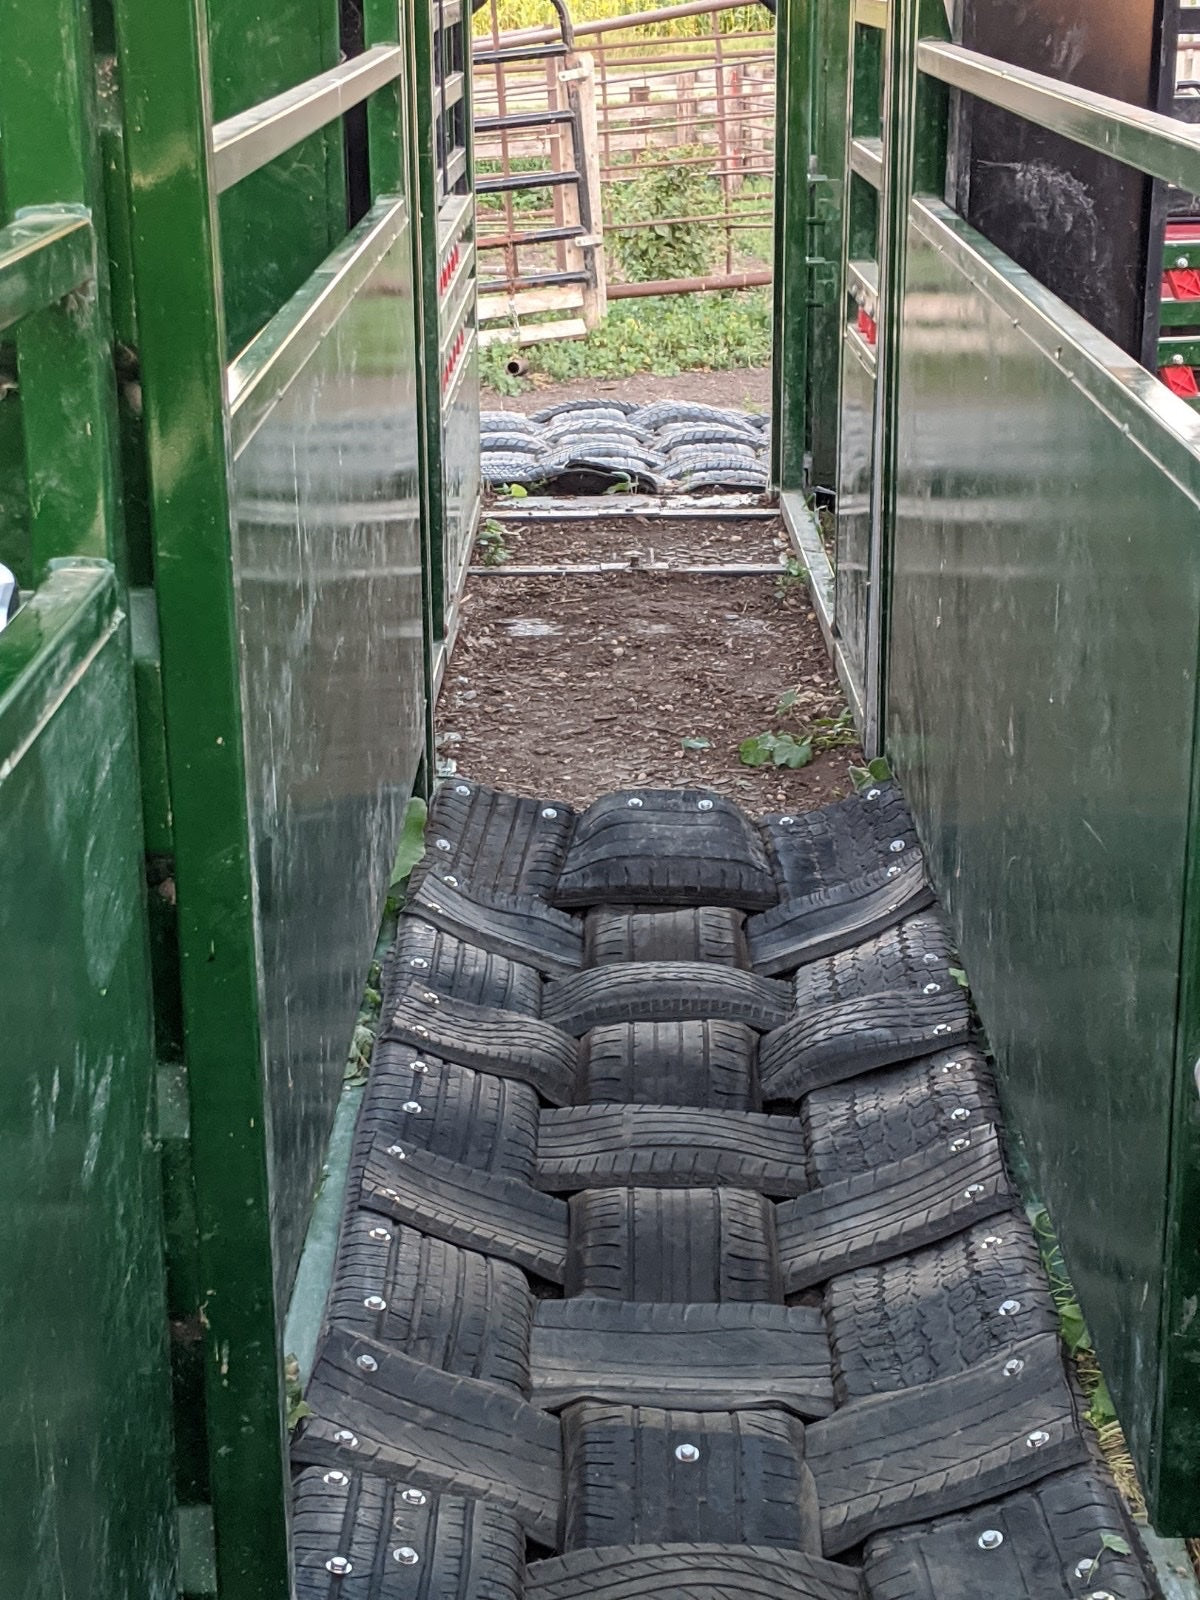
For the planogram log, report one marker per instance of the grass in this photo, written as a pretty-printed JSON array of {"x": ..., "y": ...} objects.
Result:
[{"x": 664, "y": 335}]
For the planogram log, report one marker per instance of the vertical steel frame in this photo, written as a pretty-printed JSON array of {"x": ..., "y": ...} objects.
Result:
[{"x": 794, "y": 27}]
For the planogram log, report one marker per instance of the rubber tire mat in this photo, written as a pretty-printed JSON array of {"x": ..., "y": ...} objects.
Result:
[
  {"x": 915, "y": 955},
  {"x": 665, "y": 991},
  {"x": 685, "y": 1064},
  {"x": 1050, "y": 1547},
  {"x": 629, "y": 1480},
  {"x": 498, "y": 843},
  {"x": 451, "y": 965},
  {"x": 874, "y": 1216},
  {"x": 686, "y": 847},
  {"x": 695, "y": 1358},
  {"x": 499, "y": 1216},
  {"x": 702, "y": 933},
  {"x": 939, "y": 1311},
  {"x": 454, "y": 1309},
  {"x": 833, "y": 919},
  {"x": 663, "y": 1147},
  {"x": 402, "y": 1419},
  {"x": 898, "y": 1458},
  {"x": 686, "y": 1246},
  {"x": 390, "y": 1540},
  {"x": 690, "y": 1572},
  {"x": 520, "y": 927}
]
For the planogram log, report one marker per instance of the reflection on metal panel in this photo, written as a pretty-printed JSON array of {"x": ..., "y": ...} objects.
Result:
[
  {"x": 855, "y": 457},
  {"x": 461, "y": 469},
  {"x": 1046, "y": 593},
  {"x": 327, "y": 557}
]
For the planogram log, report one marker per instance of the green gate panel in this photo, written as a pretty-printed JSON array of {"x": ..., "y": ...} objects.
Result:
[
  {"x": 856, "y": 456},
  {"x": 327, "y": 566},
  {"x": 1045, "y": 614},
  {"x": 85, "y": 1471}
]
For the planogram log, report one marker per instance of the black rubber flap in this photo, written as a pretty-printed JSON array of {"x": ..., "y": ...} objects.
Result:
[
  {"x": 874, "y": 1216},
  {"x": 938, "y": 1311},
  {"x": 421, "y": 1102},
  {"x": 456, "y": 1309},
  {"x": 382, "y": 1412},
  {"x": 479, "y": 1210},
  {"x": 840, "y": 1041},
  {"x": 641, "y": 1475},
  {"x": 666, "y": 847},
  {"x": 1060, "y": 1539},
  {"x": 885, "y": 1116},
  {"x": 895, "y": 1459},
  {"x": 670, "y": 1063},
  {"x": 700, "y": 1358},
  {"x": 690, "y": 1572},
  {"x": 664, "y": 1147},
  {"x": 482, "y": 1037},
  {"x": 686, "y": 1246},
  {"x": 836, "y": 918},
  {"x": 665, "y": 991},
  {"x": 520, "y": 927},
  {"x": 360, "y": 1537},
  {"x": 704, "y": 933},
  {"x": 915, "y": 955},
  {"x": 451, "y": 965},
  {"x": 497, "y": 843},
  {"x": 828, "y": 848}
]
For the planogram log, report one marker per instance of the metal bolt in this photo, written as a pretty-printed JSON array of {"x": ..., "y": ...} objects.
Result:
[
  {"x": 1011, "y": 1370},
  {"x": 930, "y": 959},
  {"x": 453, "y": 882},
  {"x": 430, "y": 998},
  {"x": 1037, "y": 1439},
  {"x": 367, "y": 1363},
  {"x": 954, "y": 1066},
  {"x": 462, "y": 788},
  {"x": 959, "y": 1144},
  {"x": 443, "y": 844},
  {"x": 991, "y": 1242},
  {"x": 396, "y": 1150},
  {"x": 896, "y": 846},
  {"x": 1176, "y": 361},
  {"x": 872, "y": 794},
  {"x": 959, "y": 1114},
  {"x": 634, "y": 803},
  {"x": 1100, "y": 1594},
  {"x": 932, "y": 988},
  {"x": 1009, "y": 1308},
  {"x": 686, "y": 1452},
  {"x": 943, "y": 1028},
  {"x": 990, "y": 1539},
  {"x": 335, "y": 1479},
  {"x": 406, "y": 1556},
  {"x": 419, "y": 962},
  {"x": 413, "y": 1497},
  {"x": 375, "y": 1302},
  {"x": 894, "y": 872},
  {"x": 344, "y": 1436},
  {"x": 418, "y": 1066},
  {"x": 704, "y": 805},
  {"x": 972, "y": 1191},
  {"x": 390, "y": 1194},
  {"x": 411, "y": 1106},
  {"x": 1181, "y": 261},
  {"x": 421, "y": 1033},
  {"x": 786, "y": 822},
  {"x": 381, "y": 1234},
  {"x": 340, "y": 1566},
  {"x": 1085, "y": 1568},
  {"x": 549, "y": 812}
]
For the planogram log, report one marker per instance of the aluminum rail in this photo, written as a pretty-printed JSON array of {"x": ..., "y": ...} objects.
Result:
[
  {"x": 1145, "y": 140},
  {"x": 43, "y": 256},
  {"x": 243, "y": 144},
  {"x": 866, "y": 158},
  {"x": 871, "y": 13}
]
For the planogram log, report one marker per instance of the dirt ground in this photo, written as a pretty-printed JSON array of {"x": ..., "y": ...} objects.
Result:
[
  {"x": 567, "y": 686},
  {"x": 641, "y": 541},
  {"x": 746, "y": 388}
]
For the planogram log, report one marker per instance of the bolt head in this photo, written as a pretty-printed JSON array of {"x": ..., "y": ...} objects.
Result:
[
  {"x": 959, "y": 1114},
  {"x": 396, "y": 1150},
  {"x": 1100, "y": 1594},
  {"x": 704, "y": 805},
  {"x": 896, "y": 846},
  {"x": 413, "y": 1497},
  {"x": 972, "y": 1191},
  {"x": 405, "y": 1555},
  {"x": 1037, "y": 1439},
  {"x": 992, "y": 1242},
  {"x": 943, "y": 1028},
  {"x": 990, "y": 1539},
  {"x": 1181, "y": 261},
  {"x": 930, "y": 959},
  {"x": 375, "y": 1302},
  {"x": 954, "y": 1066},
  {"x": 421, "y": 1033},
  {"x": 894, "y": 872},
  {"x": 340, "y": 1566},
  {"x": 462, "y": 788},
  {"x": 419, "y": 1066},
  {"x": 452, "y": 881},
  {"x": 335, "y": 1479},
  {"x": 366, "y": 1363},
  {"x": 872, "y": 794},
  {"x": 960, "y": 1144},
  {"x": 686, "y": 1452},
  {"x": 634, "y": 803},
  {"x": 344, "y": 1436},
  {"x": 786, "y": 822},
  {"x": 419, "y": 962},
  {"x": 1014, "y": 1368},
  {"x": 411, "y": 1106},
  {"x": 1009, "y": 1308},
  {"x": 932, "y": 988},
  {"x": 442, "y": 844},
  {"x": 381, "y": 1234},
  {"x": 1177, "y": 361}
]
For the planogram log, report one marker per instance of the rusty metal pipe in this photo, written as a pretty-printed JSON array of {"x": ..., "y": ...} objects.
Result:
[{"x": 718, "y": 280}]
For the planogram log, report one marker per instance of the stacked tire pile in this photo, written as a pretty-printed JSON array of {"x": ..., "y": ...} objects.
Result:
[
  {"x": 680, "y": 1258},
  {"x": 592, "y": 446}
]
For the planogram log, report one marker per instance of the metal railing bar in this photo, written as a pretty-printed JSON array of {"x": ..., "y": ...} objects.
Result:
[
  {"x": 43, "y": 256},
  {"x": 449, "y": 93},
  {"x": 1145, "y": 140},
  {"x": 866, "y": 158},
  {"x": 243, "y": 144},
  {"x": 257, "y": 379},
  {"x": 524, "y": 180},
  {"x": 871, "y": 13},
  {"x": 522, "y": 119}
]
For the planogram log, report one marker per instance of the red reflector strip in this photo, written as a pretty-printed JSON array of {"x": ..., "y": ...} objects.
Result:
[
  {"x": 1182, "y": 283},
  {"x": 1181, "y": 381},
  {"x": 867, "y": 327}
]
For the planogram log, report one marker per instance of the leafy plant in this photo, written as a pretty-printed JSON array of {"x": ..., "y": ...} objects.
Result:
[
  {"x": 1108, "y": 1541},
  {"x": 493, "y": 544},
  {"x": 877, "y": 771},
  {"x": 794, "y": 572},
  {"x": 780, "y": 749},
  {"x": 670, "y": 248},
  {"x": 513, "y": 491},
  {"x": 623, "y": 485},
  {"x": 297, "y": 1406}
]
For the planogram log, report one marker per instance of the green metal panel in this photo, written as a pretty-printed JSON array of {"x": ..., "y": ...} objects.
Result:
[
  {"x": 1043, "y": 663},
  {"x": 85, "y": 1473},
  {"x": 856, "y": 456},
  {"x": 794, "y": 47},
  {"x": 826, "y": 200}
]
